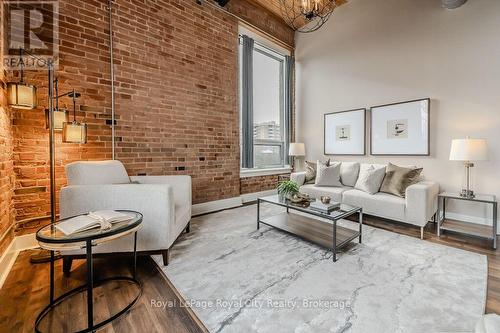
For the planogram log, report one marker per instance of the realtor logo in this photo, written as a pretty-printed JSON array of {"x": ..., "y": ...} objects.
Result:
[{"x": 32, "y": 26}]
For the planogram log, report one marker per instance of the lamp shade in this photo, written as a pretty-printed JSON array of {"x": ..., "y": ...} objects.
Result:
[
  {"x": 297, "y": 149},
  {"x": 21, "y": 96},
  {"x": 74, "y": 132},
  {"x": 468, "y": 150},
  {"x": 60, "y": 117}
]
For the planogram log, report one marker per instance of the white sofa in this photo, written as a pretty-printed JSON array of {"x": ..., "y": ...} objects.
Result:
[
  {"x": 417, "y": 208},
  {"x": 164, "y": 201}
]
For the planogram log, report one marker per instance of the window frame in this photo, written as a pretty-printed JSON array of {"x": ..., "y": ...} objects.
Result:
[{"x": 284, "y": 130}]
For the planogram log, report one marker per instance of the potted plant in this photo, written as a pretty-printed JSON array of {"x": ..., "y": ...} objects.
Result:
[{"x": 287, "y": 188}]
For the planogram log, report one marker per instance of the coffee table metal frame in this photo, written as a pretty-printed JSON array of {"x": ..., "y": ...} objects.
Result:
[{"x": 346, "y": 212}]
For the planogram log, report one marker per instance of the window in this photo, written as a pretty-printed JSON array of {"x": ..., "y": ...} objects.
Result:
[{"x": 267, "y": 111}]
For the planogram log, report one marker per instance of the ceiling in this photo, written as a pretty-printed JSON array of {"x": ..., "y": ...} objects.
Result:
[{"x": 274, "y": 5}]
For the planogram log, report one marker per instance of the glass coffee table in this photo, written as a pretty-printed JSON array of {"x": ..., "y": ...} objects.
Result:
[
  {"x": 312, "y": 227},
  {"x": 50, "y": 238}
]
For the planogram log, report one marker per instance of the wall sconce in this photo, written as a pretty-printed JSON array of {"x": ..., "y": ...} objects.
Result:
[
  {"x": 21, "y": 95},
  {"x": 74, "y": 132}
]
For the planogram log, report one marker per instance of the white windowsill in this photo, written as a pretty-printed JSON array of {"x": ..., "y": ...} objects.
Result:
[{"x": 245, "y": 173}]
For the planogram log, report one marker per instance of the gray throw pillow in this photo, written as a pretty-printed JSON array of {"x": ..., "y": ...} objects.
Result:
[
  {"x": 327, "y": 175},
  {"x": 397, "y": 179},
  {"x": 311, "y": 171},
  {"x": 370, "y": 180}
]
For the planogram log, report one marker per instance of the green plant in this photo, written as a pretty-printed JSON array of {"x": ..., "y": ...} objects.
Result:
[{"x": 287, "y": 188}]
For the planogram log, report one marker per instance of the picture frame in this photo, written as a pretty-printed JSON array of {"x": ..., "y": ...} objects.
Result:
[
  {"x": 344, "y": 132},
  {"x": 401, "y": 129}
]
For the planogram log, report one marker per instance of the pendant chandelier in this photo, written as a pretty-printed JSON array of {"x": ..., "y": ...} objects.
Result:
[{"x": 307, "y": 15}]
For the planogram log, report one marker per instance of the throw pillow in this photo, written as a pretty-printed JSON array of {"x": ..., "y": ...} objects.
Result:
[
  {"x": 327, "y": 175},
  {"x": 370, "y": 179},
  {"x": 311, "y": 171},
  {"x": 349, "y": 172},
  {"x": 397, "y": 179}
]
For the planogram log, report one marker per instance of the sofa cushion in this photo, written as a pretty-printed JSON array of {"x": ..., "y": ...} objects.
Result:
[
  {"x": 96, "y": 173},
  {"x": 397, "y": 179},
  {"x": 335, "y": 193},
  {"x": 327, "y": 175},
  {"x": 311, "y": 171},
  {"x": 349, "y": 172},
  {"x": 370, "y": 179},
  {"x": 380, "y": 204}
]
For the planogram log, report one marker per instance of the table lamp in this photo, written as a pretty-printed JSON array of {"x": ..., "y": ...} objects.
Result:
[
  {"x": 468, "y": 150},
  {"x": 296, "y": 149}
]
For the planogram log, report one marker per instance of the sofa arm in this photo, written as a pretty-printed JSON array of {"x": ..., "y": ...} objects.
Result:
[
  {"x": 298, "y": 177},
  {"x": 154, "y": 201},
  {"x": 421, "y": 202}
]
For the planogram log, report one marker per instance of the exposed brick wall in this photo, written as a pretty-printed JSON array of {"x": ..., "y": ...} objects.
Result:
[
  {"x": 83, "y": 66},
  {"x": 177, "y": 94},
  {"x": 7, "y": 212},
  {"x": 176, "y": 86},
  {"x": 260, "y": 183}
]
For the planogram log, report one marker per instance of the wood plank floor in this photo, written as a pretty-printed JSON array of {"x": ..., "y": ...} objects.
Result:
[{"x": 25, "y": 291}]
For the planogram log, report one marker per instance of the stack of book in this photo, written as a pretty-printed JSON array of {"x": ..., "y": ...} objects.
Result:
[{"x": 325, "y": 208}]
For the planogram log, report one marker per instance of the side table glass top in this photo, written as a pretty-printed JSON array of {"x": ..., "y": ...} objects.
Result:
[
  {"x": 49, "y": 234},
  {"x": 478, "y": 197}
]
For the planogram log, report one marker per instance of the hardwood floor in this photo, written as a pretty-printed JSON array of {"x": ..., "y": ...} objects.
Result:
[{"x": 25, "y": 291}]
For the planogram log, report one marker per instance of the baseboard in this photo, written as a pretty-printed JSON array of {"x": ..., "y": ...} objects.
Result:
[
  {"x": 249, "y": 197},
  {"x": 17, "y": 245},
  {"x": 472, "y": 219},
  {"x": 213, "y": 206}
]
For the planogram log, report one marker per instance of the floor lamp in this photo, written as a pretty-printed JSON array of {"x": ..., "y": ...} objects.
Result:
[{"x": 23, "y": 96}]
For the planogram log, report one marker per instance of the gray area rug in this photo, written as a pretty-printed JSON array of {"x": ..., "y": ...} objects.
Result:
[{"x": 238, "y": 279}]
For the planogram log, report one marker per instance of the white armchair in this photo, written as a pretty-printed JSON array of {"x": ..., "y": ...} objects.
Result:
[{"x": 164, "y": 201}]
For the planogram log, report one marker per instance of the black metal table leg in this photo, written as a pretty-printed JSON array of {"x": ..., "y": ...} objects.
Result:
[
  {"x": 90, "y": 286},
  {"x": 360, "y": 223},
  {"x": 51, "y": 277},
  {"x": 258, "y": 214},
  {"x": 495, "y": 225},
  {"x": 335, "y": 240},
  {"x": 135, "y": 255}
]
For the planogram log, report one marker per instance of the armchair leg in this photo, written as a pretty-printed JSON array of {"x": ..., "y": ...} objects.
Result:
[
  {"x": 67, "y": 262},
  {"x": 165, "y": 255},
  {"x": 421, "y": 232},
  {"x": 188, "y": 227}
]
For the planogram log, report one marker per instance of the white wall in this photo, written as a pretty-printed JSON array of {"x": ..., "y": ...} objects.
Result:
[{"x": 377, "y": 52}]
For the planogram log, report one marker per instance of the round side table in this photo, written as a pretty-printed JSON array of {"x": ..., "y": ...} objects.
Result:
[{"x": 50, "y": 238}]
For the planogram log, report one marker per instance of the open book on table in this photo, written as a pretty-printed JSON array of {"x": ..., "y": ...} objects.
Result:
[{"x": 103, "y": 219}]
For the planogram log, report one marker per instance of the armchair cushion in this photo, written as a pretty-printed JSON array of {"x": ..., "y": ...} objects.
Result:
[{"x": 96, "y": 173}]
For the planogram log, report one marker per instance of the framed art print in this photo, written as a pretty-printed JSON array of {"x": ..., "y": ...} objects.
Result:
[
  {"x": 344, "y": 132},
  {"x": 400, "y": 128}
]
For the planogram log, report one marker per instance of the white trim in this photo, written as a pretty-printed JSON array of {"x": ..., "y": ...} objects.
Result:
[
  {"x": 249, "y": 197},
  {"x": 18, "y": 244},
  {"x": 263, "y": 40},
  {"x": 212, "y": 206},
  {"x": 245, "y": 173}
]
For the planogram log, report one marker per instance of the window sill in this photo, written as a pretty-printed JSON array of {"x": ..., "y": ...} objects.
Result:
[{"x": 245, "y": 173}]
